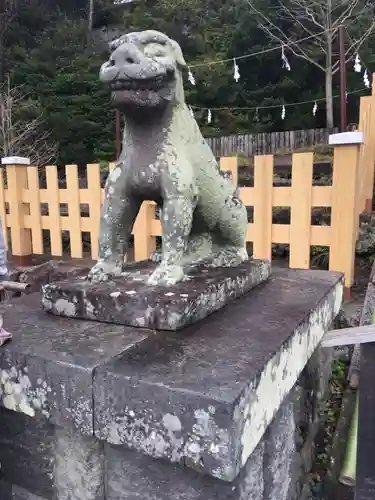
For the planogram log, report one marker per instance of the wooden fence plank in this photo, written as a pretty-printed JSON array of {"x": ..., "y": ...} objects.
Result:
[
  {"x": 370, "y": 139},
  {"x": 144, "y": 241},
  {"x": 349, "y": 336},
  {"x": 300, "y": 223},
  {"x": 364, "y": 155},
  {"x": 367, "y": 155},
  {"x": 52, "y": 197},
  {"x": 3, "y": 214},
  {"x": 263, "y": 183},
  {"x": 74, "y": 217},
  {"x": 35, "y": 211},
  {"x": 94, "y": 202}
]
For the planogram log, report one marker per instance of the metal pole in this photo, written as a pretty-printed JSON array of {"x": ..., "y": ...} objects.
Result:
[
  {"x": 118, "y": 135},
  {"x": 342, "y": 78}
]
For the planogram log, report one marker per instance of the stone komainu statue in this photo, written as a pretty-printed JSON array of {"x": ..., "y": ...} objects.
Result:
[{"x": 164, "y": 158}]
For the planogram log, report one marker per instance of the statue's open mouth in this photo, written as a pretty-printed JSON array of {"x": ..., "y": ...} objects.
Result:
[{"x": 156, "y": 83}]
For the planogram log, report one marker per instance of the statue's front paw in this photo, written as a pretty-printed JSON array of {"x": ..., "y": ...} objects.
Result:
[
  {"x": 166, "y": 275},
  {"x": 104, "y": 271}
]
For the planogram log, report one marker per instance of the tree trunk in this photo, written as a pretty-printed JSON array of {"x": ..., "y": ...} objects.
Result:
[{"x": 329, "y": 98}]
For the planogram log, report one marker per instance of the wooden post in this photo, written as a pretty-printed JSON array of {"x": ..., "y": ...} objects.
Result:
[
  {"x": 16, "y": 168},
  {"x": 367, "y": 155},
  {"x": 363, "y": 126},
  {"x": 300, "y": 216},
  {"x": 74, "y": 211},
  {"x": 94, "y": 193},
  {"x": 263, "y": 187},
  {"x": 344, "y": 215},
  {"x": 370, "y": 141},
  {"x": 144, "y": 240},
  {"x": 35, "y": 211},
  {"x": 3, "y": 214},
  {"x": 54, "y": 218}
]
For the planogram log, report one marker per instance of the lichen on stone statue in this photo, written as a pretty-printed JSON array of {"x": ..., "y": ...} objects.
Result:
[{"x": 164, "y": 159}]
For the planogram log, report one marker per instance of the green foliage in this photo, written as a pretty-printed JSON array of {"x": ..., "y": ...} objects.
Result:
[
  {"x": 48, "y": 51},
  {"x": 62, "y": 73},
  {"x": 320, "y": 257}
]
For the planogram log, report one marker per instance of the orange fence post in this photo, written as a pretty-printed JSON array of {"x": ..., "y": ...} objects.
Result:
[
  {"x": 16, "y": 168},
  {"x": 300, "y": 210},
  {"x": 344, "y": 215},
  {"x": 263, "y": 202},
  {"x": 369, "y": 136},
  {"x": 144, "y": 240},
  {"x": 3, "y": 213},
  {"x": 94, "y": 191},
  {"x": 52, "y": 197},
  {"x": 35, "y": 218},
  {"x": 74, "y": 211}
]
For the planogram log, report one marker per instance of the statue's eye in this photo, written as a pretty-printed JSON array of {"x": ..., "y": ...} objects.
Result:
[
  {"x": 158, "y": 53},
  {"x": 154, "y": 50}
]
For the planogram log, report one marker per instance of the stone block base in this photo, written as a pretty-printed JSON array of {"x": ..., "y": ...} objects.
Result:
[
  {"x": 225, "y": 410},
  {"x": 64, "y": 466},
  {"x": 130, "y": 301}
]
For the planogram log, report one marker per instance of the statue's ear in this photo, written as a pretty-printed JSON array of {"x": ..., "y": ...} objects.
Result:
[{"x": 178, "y": 54}]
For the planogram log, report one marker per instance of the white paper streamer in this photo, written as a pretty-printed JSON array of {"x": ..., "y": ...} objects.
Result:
[
  {"x": 257, "y": 115},
  {"x": 191, "y": 77},
  {"x": 236, "y": 74},
  {"x": 209, "y": 116},
  {"x": 357, "y": 64},
  {"x": 191, "y": 111},
  {"x": 366, "y": 80},
  {"x": 315, "y": 108},
  {"x": 283, "y": 113},
  {"x": 284, "y": 59}
]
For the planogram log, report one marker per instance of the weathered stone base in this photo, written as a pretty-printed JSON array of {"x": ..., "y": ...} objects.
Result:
[
  {"x": 130, "y": 301},
  {"x": 226, "y": 410},
  {"x": 9, "y": 492},
  {"x": 41, "y": 462}
]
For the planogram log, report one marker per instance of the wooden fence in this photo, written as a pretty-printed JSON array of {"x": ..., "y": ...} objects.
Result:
[
  {"x": 268, "y": 143},
  {"x": 20, "y": 207}
]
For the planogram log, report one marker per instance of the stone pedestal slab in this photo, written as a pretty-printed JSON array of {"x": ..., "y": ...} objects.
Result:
[{"x": 129, "y": 300}]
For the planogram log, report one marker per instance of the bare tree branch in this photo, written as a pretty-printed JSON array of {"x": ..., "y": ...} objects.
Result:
[
  {"x": 275, "y": 33},
  {"x": 304, "y": 11},
  {"x": 346, "y": 14},
  {"x": 19, "y": 137},
  {"x": 320, "y": 20}
]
